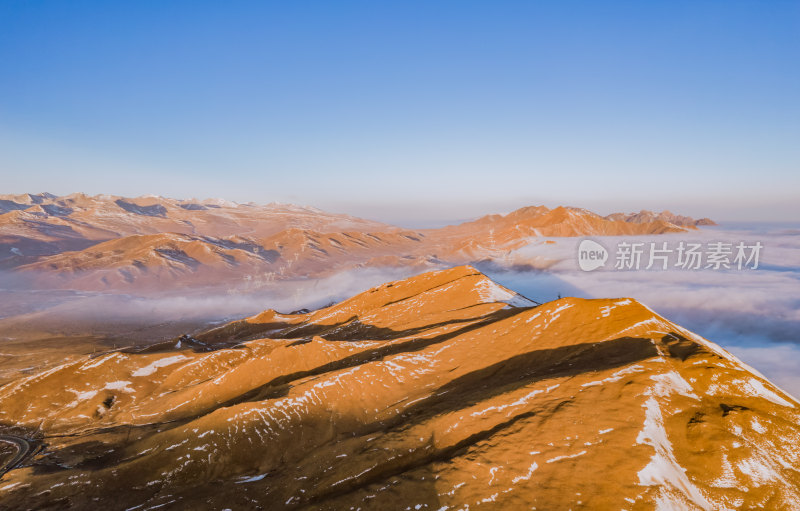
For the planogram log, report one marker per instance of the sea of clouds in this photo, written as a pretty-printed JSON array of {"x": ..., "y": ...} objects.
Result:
[{"x": 754, "y": 313}]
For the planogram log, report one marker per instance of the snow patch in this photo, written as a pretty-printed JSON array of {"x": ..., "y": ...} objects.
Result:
[
  {"x": 567, "y": 457},
  {"x": 527, "y": 476},
  {"x": 750, "y": 387},
  {"x": 667, "y": 383},
  {"x": 119, "y": 385},
  {"x": 491, "y": 292},
  {"x": 251, "y": 479},
  {"x": 758, "y": 471},
  {"x": 81, "y": 396},
  {"x": 663, "y": 469},
  {"x": 616, "y": 376},
  {"x": 727, "y": 479},
  {"x": 162, "y": 362},
  {"x": 757, "y": 388}
]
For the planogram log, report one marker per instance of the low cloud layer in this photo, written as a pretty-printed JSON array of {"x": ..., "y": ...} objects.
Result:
[
  {"x": 284, "y": 296},
  {"x": 755, "y": 313},
  {"x": 32, "y": 314}
]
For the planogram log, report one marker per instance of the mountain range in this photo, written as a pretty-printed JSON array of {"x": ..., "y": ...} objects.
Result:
[{"x": 108, "y": 242}]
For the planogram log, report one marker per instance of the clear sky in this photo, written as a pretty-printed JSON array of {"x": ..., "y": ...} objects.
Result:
[{"x": 408, "y": 110}]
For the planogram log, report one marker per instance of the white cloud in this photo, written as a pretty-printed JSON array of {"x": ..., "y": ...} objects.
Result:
[{"x": 756, "y": 313}]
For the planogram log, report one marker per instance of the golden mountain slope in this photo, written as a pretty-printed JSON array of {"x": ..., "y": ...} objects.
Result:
[
  {"x": 441, "y": 391},
  {"x": 44, "y": 224},
  {"x": 153, "y": 262},
  {"x": 645, "y": 216}
]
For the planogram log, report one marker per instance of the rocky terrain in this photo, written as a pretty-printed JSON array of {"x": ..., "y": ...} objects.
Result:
[{"x": 442, "y": 391}]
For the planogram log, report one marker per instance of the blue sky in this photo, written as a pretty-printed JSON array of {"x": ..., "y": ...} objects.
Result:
[{"x": 407, "y": 111}]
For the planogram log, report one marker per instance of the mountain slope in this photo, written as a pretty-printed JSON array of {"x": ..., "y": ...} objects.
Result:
[
  {"x": 445, "y": 390},
  {"x": 155, "y": 261},
  {"x": 645, "y": 216},
  {"x": 496, "y": 233},
  {"x": 44, "y": 224}
]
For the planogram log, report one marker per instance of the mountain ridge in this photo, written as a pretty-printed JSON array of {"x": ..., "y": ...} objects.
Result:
[{"x": 444, "y": 389}]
